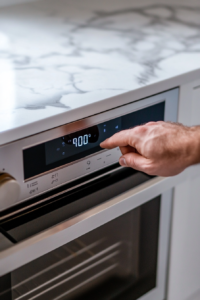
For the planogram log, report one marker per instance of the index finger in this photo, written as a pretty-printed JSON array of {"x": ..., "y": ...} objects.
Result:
[{"x": 119, "y": 139}]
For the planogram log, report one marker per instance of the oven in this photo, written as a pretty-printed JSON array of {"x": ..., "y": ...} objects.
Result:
[{"x": 82, "y": 226}]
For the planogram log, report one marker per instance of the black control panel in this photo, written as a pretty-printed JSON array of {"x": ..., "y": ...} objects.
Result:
[{"x": 80, "y": 144}]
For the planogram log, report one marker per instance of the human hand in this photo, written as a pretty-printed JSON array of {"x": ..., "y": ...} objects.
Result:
[{"x": 157, "y": 148}]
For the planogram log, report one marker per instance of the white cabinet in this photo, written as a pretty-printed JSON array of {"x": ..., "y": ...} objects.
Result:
[
  {"x": 184, "y": 280},
  {"x": 184, "y": 274}
]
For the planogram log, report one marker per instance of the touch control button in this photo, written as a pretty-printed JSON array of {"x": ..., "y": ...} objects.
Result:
[
  {"x": 53, "y": 179},
  {"x": 32, "y": 187},
  {"x": 107, "y": 157},
  {"x": 89, "y": 165}
]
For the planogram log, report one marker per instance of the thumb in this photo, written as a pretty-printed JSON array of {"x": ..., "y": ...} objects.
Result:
[{"x": 135, "y": 161}]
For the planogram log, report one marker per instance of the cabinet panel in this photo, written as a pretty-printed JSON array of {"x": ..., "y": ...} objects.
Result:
[{"x": 184, "y": 277}]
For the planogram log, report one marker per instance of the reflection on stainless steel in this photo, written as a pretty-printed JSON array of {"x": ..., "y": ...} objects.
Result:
[
  {"x": 87, "y": 248},
  {"x": 73, "y": 269},
  {"x": 87, "y": 281}
]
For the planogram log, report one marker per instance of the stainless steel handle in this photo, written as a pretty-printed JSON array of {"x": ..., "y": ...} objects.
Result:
[{"x": 56, "y": 193}]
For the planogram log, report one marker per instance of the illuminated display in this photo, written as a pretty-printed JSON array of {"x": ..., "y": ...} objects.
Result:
[
  {"x": 81, "y": 140},
  {"x": 79, "y": 144},
  {"x": 75, "y": 146}
]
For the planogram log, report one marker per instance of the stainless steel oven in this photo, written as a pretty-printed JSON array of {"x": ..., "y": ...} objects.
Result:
[{"x": 83, "y": 227}]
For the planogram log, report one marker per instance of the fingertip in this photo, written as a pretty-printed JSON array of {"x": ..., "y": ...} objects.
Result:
[
  {"x": 122, "y": 161},
  {"x": 104, "y": 144}
]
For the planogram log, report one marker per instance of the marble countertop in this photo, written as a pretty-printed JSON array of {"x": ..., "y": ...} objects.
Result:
[{"x": 56, "y": 56}]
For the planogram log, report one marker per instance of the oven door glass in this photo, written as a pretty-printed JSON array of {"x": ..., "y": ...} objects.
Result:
[{"x": 115, "y": 261}]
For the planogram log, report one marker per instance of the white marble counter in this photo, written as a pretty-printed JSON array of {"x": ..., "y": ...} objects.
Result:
[{"x": 56, "y": 56}]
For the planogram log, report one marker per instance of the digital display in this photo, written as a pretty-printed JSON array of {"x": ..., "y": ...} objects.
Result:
[{"x": 77, "y": 145}]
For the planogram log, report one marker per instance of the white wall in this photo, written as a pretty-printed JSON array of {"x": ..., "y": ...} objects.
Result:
[{"x": 10, "y": 2}]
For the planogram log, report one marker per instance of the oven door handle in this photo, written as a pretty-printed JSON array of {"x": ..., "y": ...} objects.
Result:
[{"x": 56, "y": 236}]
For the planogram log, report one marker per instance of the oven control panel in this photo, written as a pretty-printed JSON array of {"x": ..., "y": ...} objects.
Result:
[
  {"x": 40, "y": 163},
  {"x": 71, "y": 172}
]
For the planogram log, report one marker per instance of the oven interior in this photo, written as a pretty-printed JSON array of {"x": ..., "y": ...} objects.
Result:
[{"x": 115, "y": 261}]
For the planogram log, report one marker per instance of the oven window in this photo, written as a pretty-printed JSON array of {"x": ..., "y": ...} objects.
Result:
[{"x": 115, "y": 261}]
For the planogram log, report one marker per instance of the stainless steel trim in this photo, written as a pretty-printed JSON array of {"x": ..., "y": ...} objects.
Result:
[
  {"x": 48, "y": 240},
  {"x": 64, "y": 166},
  {"x": 163, "y": 247},
  {"x": 91, "y": 121},
  {"x": 60, "y": 193}
]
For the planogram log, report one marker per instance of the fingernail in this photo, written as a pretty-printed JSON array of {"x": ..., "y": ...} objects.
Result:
[{"x": 122, "y": 161}]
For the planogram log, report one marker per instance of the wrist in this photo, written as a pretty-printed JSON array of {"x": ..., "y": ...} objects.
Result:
[{"x": 194, "y": 145}]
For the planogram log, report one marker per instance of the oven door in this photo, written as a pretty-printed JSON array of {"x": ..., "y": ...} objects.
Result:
[{"x": 105, "y": 238}]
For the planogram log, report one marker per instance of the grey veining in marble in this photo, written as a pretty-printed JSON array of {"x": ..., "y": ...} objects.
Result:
[{"x": 60, "y": 55}]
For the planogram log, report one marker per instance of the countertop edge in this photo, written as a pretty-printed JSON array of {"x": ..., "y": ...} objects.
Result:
[{"x": 20, "y": 132}]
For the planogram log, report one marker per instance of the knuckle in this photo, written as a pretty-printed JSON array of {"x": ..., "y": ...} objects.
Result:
[
  {"x": 130, "y": 160},
  {"x": 139, "y": 129},
  {"x": 150, "y": 123}
]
